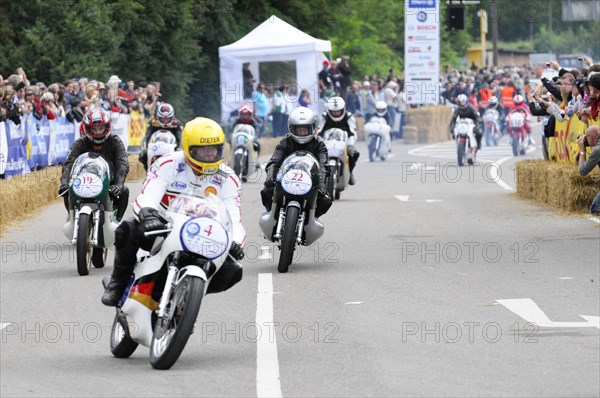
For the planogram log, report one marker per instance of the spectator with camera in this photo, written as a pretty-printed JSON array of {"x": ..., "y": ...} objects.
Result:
[{"x": 590, "y": 139}]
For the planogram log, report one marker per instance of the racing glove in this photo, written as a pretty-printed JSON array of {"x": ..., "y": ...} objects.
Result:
[
  {"x": 236, "y": 251},
  {"x": 115, "y": 190},
  {"x": 150, "y": 219}
]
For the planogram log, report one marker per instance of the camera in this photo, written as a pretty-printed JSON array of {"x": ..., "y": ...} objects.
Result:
[
  {"x": 580, "y": 59},
  {"x": 585, "y": 141},
  {"x": 547, "y": 63}
]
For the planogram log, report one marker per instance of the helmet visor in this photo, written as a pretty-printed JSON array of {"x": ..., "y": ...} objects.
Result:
[
  {"x": 302, "y": 130},
  {"x": 97, "y": 130},
  {"x": 207, "y": 153},
  {"x": 164, "y": 120},
  {"x": 337, "y": 113}
]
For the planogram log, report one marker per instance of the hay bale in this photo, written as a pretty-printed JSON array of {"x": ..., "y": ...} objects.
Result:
[
  {"x": 556, "y": 185},
  {"x": 411, "y": 135},
  {"x": 431, "y": 121}
]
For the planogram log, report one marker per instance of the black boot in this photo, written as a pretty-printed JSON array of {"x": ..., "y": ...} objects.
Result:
[{"x": 114, "y": 291}]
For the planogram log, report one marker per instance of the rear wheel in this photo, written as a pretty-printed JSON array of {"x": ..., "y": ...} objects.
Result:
[
  {"x": 121, "y": 344},
  {"x": 288, "y": 240},
  {"x": 372, "y": 148},
  {"x": 84, "y": 249},
  {"x": 460, "y": 151},
  {"x": 173, "y": 331}
]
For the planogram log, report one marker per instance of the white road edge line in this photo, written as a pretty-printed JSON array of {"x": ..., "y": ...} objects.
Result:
[
  {"x": 494, "y": 173},
  {"x": 267, "y": 364}
]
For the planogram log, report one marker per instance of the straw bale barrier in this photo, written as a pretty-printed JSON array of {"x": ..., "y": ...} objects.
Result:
[
  {"x": 23, "y": 196},
  {"x": 431, "y": 123},
  {"x": 557, "y": 185}
]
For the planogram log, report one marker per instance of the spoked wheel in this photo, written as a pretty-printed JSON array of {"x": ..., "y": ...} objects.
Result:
[
  {"x": 99, "y": 255},
  {"x": 84, "y": 249},
  {"x": 121, "y": 344},
  {"x": 172, "y": 332},
  {"x": 288, "y": 240}
]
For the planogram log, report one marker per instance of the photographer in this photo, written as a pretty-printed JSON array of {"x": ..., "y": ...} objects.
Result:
[{"x": 585, "y": 166}]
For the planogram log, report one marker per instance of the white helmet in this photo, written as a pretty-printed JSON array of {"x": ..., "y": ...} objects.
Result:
[
  {"x": 161, "y": 143},
  {"x": 518, "y": 99},
  {"x": 493, "y": 101},
  {"x": 301, "y": 125},
  {"x": 462, "y": 100},
  {"x": 336, "y": 108},
  {"x": 381, "y": 108}
]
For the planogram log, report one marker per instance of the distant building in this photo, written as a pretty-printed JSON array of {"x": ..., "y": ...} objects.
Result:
[{"x": 506, "y": 56}]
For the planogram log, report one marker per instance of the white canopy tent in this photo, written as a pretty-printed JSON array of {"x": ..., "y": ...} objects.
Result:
[{"x": 271, "y": 41}]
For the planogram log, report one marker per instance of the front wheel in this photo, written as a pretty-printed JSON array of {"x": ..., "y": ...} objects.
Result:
[
  {"x": 331, "y": 182},
  {"x": 460, "y": 152},
  {"x": 372, "y": 148},
  {"x": 515, "y": 144},
  {"x": 172, "y": 332},
  {"x": 288, "y": 240},
  {"x": 84, "y": 249},
  {"x": 237, "y": 164}
]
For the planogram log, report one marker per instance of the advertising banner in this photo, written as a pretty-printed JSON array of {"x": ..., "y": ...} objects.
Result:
[{"x": 422, "y": 51}]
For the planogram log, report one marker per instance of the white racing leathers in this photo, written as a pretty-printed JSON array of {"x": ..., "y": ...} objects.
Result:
[{"x": 170, "y": 177}]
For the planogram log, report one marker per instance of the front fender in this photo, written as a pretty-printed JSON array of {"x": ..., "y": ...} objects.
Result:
[{"x": 190, "y": 270}]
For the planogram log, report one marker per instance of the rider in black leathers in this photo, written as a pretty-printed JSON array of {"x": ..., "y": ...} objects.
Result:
[
  {"x": 466, "y": 111},
  {"x": 337, "y": 117},
  {"x": 96, "y": 137},
  {"x": 301, "y": 127}
]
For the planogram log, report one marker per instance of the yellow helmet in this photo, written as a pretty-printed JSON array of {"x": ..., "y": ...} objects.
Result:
[{"x": 203, "y": 143}]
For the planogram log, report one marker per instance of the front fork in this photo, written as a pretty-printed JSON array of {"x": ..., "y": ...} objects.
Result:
[{"x": 169, "y": 284}]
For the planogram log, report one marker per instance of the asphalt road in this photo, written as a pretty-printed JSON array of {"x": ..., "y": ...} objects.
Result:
[{"x": 402, "y": 296}]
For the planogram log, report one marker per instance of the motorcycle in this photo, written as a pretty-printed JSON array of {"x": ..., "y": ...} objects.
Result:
[
  {"x": 161, "y": 143},
  {"x": 161, "y": 302},
  {"x": 491, "y": 129},
  {"x": 92, "y": 219},
  {"x": 466, "y": 144},
  {"x": 516, "y": 129},
  {"x": 243, "y": 153},
  {"x": 378, "y": 137},
  {"x": 335, "y": 140},
  {"x": 292, "y": 220}
]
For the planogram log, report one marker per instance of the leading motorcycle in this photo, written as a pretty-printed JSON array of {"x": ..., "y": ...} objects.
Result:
[
  {"x": 92, "y": 219},
  {"x": 491, "y": 126},
  {"x": 161, "y": 302},
  {"x": 292, "y": 220}
]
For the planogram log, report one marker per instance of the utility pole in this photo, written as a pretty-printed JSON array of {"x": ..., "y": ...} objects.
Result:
[
  {"x": 549, "y": 16},
  {"x": 494, "y": 19}
]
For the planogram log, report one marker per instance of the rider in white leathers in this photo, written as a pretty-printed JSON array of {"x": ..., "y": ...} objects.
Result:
[{"x": 198, "y": 168}]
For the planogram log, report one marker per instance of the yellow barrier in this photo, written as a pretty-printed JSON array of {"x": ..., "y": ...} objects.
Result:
[{"x": 563, "y": 147}]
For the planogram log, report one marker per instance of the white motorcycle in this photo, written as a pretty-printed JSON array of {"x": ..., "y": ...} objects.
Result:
[
  {"x": 161, "y": 143},
  {"x": 466, "y": 144},
  {"x": 92, "y": 219},
  {"x": 518, "y": 134},
  {"x": 243, "y": 156},
  {"x": 378, "y": 138},
  {"x": 491, "y": 126},
  {"x": 161, "y": 302},
  {"x": 336, "y": 142}
]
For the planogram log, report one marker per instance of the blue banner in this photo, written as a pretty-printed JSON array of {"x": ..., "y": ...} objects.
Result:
[
  {"x": 16, "y": 162},
  {"x": 39, "y": 137},
  {"x": 65, "y": 136}
]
